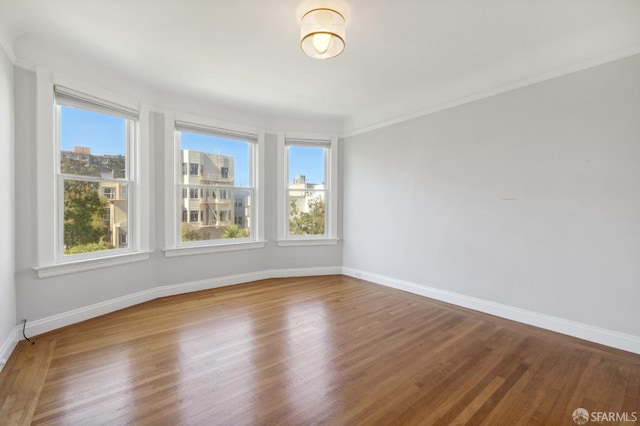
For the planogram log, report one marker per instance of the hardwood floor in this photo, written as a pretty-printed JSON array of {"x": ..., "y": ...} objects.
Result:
[{"x": 330, "y": 350}]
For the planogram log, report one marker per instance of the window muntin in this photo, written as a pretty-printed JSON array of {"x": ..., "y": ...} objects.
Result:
[
  {"x": 225, "y": 177},
  {"x": 95, "y": 176}
]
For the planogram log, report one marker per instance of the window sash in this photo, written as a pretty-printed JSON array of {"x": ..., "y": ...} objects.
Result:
[
  {"x": 130, "y": 191},
  {"x": 253, "y": 146},
  {"x": 131, "y": 133},
  {"x": 326, "y": 200}
]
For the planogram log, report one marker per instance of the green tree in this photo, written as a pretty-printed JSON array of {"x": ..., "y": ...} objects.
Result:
[
  {"x": 234, "y": 231},
  {"x": 83, "y": 209},
  {"x": 307, "y": 223},
  {"x": 85, "y": 248},
  {"x": 188, "y": 233},
  {"x": 115, "y": 165},
  {"x": 78, "y": 168}
]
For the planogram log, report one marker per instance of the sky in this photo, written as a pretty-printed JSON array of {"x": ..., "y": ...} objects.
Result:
[{"x": 105, "y": 135}]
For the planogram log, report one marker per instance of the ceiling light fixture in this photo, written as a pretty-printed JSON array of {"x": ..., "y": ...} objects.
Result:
[{"x": 322, "y": 33}]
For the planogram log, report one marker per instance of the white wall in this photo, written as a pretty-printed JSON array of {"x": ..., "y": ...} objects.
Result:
[
  {"x": 43, "y": 298},
  {"x": 7, "y": 212},
  {"x": 529, "y": 199}
]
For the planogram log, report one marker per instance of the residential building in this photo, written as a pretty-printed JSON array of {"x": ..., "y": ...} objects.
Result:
[
  {"x": 115, "y": 216},
  {"x": 210, "y": 210},
  {"x": 302, "y": 192}
]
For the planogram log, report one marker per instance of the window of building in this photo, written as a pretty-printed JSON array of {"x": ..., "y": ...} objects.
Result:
[
  {"x": 308, "y": 192},
  {"x": 109, "y": 193},
  {"x": 106, "y": 214},
  {"x": 229, "y": 169}
]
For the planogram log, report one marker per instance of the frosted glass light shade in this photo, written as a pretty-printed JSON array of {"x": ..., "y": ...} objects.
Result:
[{"x": 322, "y": 33}]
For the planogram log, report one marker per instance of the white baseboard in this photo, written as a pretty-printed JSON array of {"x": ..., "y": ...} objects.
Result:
[
  {"x": 615, "y": 339},
  {"x": 71, "y": 317},
  {"x": 606, "y": 337},
  {"x": 8, "y": 346}
]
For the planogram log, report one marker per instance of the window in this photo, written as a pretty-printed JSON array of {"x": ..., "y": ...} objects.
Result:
[
  {"x": 94, "y": 175},
  {"x": 306, "y": 190},
  {"x": 308, "y": 193},
  {"x": 228, "y": 169},
  {"x": 90, "y": 147},
  {"x": 107, "y": 192}
]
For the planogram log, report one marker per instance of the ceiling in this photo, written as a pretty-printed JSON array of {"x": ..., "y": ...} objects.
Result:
[{"x": 402, "y": 57}]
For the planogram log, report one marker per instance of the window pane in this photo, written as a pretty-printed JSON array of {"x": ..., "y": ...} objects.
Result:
[
  {"x": 306, "y": 211},
  {"x": 306, "y": 166},
  {"x": 95, "y": 216},
  {"x": 92, "y": 144},
  {"x": 216, "y": 214},
  {"x": 211, "y": 160}
]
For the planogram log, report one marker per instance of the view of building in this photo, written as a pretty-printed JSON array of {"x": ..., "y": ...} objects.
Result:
[
  {"x": 207, "y": 209},
  {"x": 81, "y": 162},
  {"x": 94, "y": 165},
  {"x": 302, "y": 192},
  {"x": 115, "y": 214}
]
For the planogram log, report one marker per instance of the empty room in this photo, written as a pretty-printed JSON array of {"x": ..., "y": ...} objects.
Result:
[{"x": 240, "y": 212}]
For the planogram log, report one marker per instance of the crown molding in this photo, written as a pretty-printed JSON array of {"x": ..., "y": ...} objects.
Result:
[
  {"x": 6, "y": 47},
  {"x": 8, "y": 50},
  {"x": 538, "y": 78}
]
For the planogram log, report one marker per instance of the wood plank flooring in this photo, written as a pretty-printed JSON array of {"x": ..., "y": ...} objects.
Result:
[{"x": 318, "y": 350}]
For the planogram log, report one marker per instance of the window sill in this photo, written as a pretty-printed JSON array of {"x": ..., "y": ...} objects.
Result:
[
  {"x": 308, "y": 242},
  {"x": 89, "y": 264},
  {"x": 220, "y": 248}
]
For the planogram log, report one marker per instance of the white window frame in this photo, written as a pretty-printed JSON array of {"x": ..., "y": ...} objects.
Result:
[
  {"x": 173, "y": 172},
  {"x": 331, "y": 188},
  {"x": 50, "y": 260}
]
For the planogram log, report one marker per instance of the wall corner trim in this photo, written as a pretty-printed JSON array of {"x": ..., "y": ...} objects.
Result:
[{"x": 614, "y": 339}]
